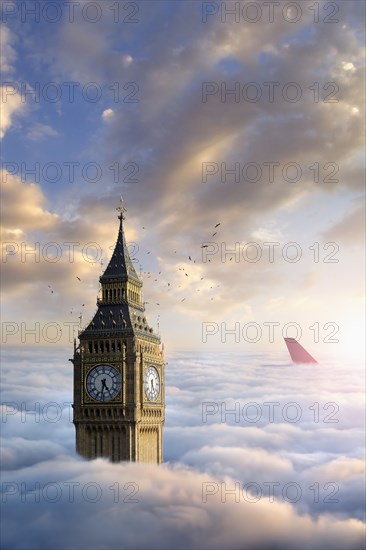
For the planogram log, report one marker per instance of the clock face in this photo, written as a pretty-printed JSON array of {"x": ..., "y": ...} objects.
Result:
[
  {"x": 152, "y": 384},
  {"x": 103, "y": 383}
]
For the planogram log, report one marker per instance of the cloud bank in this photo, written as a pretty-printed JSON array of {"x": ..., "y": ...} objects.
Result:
[{"x": 238, "y": 473}]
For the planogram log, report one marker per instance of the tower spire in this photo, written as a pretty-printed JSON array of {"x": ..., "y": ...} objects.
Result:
[
  {"x": 120, "y": 265},
  {"x": 121, "y": 209}
]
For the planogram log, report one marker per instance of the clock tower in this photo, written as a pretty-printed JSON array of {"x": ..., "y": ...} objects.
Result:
[{"x": 119, "y": 401}]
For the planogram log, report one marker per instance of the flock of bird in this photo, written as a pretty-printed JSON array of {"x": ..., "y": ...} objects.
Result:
[{"x": 168, "y": 286}]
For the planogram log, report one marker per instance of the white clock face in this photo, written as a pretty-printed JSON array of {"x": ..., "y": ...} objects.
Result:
[
  {"x": 103, "y": 383},
  {"x": 152, "y": 384}
]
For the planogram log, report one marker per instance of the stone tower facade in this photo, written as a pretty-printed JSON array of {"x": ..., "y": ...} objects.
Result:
[{"x": 119, "y": 401}]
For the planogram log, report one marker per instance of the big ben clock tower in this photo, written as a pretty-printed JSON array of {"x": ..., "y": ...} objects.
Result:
[{"x": 119, "y": 399}]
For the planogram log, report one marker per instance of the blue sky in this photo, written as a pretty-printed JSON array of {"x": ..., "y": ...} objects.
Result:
[{"x": 163, "y": 61}]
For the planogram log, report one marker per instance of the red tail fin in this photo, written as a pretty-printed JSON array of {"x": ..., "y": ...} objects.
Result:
[{"x": 298, "y": 353}]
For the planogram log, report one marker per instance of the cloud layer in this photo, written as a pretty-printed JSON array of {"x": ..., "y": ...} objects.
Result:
[{"x": 232, "y": 462}]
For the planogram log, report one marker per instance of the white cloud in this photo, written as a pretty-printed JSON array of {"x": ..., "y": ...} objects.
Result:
[
  {"x": 8, "y": 54},
  {"x": 348, "y": 66},
  {"x": 204, "y": 460},
  {"x": 11, "y": 107},
  {"x": 127, "y": 60},
  {"x": 40, "y": 131},
  {"x": 156, "y": 508},
  {"x": 270, "y": 234},
  {"x": 11, "y": 104},
  {"x": 108, "y": 114},
  {"x": 25, "y": 205}
]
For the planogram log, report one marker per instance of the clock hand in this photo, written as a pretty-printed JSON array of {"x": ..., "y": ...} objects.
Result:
[
  {"x": 104, "y": 385},
  {"x": 101, "y": 395}
]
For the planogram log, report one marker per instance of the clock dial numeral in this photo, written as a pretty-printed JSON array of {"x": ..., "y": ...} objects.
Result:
[
  {"x": 152, "y": 384},
  {"x": 103, "y": 383}
]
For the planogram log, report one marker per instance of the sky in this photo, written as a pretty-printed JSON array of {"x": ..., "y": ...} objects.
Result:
[{"x": 234, "y": 132}]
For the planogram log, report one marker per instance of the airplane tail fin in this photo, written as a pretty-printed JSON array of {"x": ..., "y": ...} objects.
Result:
[{"x": 298, "y": 353}]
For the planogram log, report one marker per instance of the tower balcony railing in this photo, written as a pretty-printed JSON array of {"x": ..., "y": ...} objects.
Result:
[
  {"x": 128, "y": 329},
  {"x": 111, "y": 301},
  {"x": 119, "y": 300}
]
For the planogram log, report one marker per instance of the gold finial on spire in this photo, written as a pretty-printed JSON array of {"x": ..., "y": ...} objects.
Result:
[{"x": 121, "y": 208}]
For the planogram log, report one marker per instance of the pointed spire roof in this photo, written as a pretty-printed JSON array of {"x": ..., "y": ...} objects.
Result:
[{"x": 120, "y": 265}]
